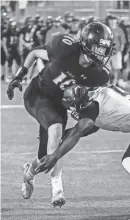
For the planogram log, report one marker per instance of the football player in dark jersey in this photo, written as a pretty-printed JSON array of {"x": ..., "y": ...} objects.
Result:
[
  {"x": 11, "y": 47},
  {"x": 3, "y": 54},
  {"x": 69, "y": 60},
  {"x": 67, "y": 21},
  {"x": 26, "y": 36}
]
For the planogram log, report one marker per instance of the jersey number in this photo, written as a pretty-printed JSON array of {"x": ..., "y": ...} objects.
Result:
[
  {"x": 62, "y": 81},
  {"x": 68, "y": 40}
]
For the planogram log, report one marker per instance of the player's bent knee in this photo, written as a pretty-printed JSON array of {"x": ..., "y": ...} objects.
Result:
[
  {"x": 126, "y": 160},
  {"x": 127, "y": 153}
]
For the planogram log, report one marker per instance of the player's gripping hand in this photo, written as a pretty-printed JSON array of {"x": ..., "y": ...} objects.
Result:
[
  {"x": 46, "y": 163},
  {"x": 16, "y": 83}
]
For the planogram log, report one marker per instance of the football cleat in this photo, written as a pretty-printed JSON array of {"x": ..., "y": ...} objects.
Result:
[
  {"x": 28, "y": 185},
  {"x": 58, "y": 199}
]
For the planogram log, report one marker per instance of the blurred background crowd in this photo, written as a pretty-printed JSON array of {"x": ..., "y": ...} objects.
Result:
[{"x": 28, "y": 24}]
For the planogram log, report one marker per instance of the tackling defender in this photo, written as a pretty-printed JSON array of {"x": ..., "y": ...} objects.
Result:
[
  {"x": 71, "y": 60},
  {"x": 114, "y": 115}
]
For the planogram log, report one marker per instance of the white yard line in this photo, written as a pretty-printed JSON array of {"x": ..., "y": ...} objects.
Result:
[
  {"x": 72, "y": 152},
  {"x": 11, "y": 106}
]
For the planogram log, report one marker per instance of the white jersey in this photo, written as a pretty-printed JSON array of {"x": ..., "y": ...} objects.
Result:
[{"x": 114, "y": 108}]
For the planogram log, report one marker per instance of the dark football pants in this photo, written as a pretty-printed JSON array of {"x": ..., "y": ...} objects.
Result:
[
  {"x": 3, "y": 56},
  {"x": 25, "y": 53},
  {"x": 45, "y": 112}
]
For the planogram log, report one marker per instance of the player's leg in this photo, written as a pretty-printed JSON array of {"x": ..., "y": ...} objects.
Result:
[
  {"x": 43, "y": 140},
  {"x": 42, "y": 110},
  {"x": 3, "y": 61},
  {"x": 54, "y": 139},
  {"x": 117, "y": 66},
  {"x": 42, "y": 151},
  {"x": 10, "y": 63},
  {"x": 47, "y": 117},
  {"x": 17, "y": 58},
  {"x": 24, "y": 55},
  {"x": 54, "y": 120},
  {"x": 29, "y": 168},
  {"x": 126, "y": 159},
  {"x": 47, "y": 140}
]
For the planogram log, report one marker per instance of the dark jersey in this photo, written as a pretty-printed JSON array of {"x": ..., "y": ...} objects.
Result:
[
  {"x": 64, "y": 68},
  {"x": 43, "y": 33},
  {"x": 12, "y": 37},
  {"x": 27, "y": 34},
  {"x": 35, "y": 37}
]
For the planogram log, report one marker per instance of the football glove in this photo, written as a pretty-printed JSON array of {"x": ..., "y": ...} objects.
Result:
[
  {"x": 16, "y": 83},
  {"x": 78, "y": 93},
  {"x": 74, "y": 94}
]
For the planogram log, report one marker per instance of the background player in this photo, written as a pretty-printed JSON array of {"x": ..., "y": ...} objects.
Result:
[{"x": 11, "y": 47}]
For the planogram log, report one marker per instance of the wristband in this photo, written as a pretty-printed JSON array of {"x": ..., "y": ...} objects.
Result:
[{"x": 21, "y": 73}]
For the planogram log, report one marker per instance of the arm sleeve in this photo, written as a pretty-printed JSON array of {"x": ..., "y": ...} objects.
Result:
[{"x": 90, "y": 112}]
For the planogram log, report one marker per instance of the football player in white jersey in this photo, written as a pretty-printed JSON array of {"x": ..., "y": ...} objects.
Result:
[
  {"x": 114, "y": 108},
  {"x": 114, "y": 115}
]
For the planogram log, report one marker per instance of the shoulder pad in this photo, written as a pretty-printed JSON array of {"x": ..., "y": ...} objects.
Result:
[{"x": 61, "y": 45}]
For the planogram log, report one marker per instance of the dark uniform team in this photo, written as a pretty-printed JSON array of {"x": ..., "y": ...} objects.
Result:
[{"x": 32, "y": 33}]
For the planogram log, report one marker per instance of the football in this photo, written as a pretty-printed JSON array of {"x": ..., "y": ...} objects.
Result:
[{"x": 74, "y": 94}]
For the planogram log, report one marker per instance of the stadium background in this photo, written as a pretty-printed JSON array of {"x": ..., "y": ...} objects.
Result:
[
  {"x": 96, "y": 185},
  {"x": 97, "y": 8},
  {"x": 83, "y": 11}
]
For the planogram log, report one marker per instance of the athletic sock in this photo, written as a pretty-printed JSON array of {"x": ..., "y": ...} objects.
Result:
[{"x": 56, "y": 182}]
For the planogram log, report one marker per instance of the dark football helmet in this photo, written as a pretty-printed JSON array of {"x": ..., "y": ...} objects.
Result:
[
  {"x": 49, "y": 21},
  {"x": 97, "y": 43}
]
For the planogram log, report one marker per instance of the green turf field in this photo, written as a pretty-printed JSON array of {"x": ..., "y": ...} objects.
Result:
[{"x": 95, "y": 184}]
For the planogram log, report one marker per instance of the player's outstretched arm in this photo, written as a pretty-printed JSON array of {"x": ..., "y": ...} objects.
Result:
[
  {"x": 34, "y": 55},
  {"x": 71, "y": 139},
  {"x": 22, "y": 72}
]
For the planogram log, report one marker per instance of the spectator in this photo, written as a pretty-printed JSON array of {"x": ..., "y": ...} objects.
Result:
[
  {"x": 119, "y": 39},
  {"x": 125, "y": 51}
]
